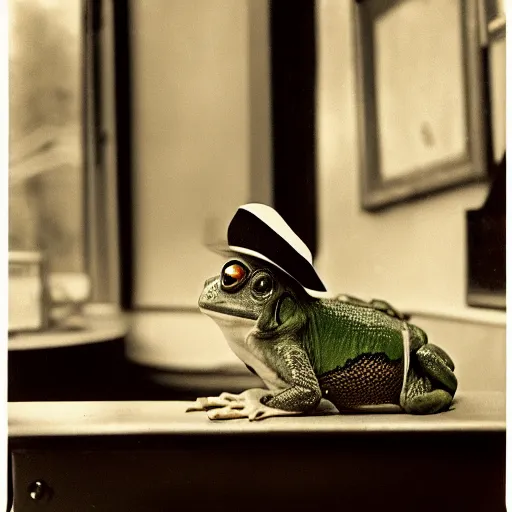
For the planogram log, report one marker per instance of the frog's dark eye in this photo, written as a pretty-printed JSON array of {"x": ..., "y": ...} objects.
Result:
[
  {"x": 262, "y": 285},
  {"x": 233, "y": 275}
]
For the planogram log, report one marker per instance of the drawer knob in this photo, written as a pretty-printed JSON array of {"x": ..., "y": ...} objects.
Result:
[{"x": 38, "y": 490}]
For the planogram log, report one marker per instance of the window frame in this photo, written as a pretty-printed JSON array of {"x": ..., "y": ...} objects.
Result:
[{"x": 101, "y": 153}]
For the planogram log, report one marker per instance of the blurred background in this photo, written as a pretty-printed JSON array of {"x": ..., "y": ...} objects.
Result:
[{"x": 137, "y": 127}]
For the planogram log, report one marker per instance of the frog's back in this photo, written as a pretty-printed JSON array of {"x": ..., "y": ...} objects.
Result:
[
  {"x": 342, "y": 332},
  {"x": 357, "y": 353}
]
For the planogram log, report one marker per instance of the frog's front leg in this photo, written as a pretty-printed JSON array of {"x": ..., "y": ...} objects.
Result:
[
  {"x": 294, "y": 367},
  {"x": 431, "y": 383},
  {"x": 302, "y": 395}
]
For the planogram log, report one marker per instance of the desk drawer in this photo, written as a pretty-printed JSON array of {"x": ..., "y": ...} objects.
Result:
[{"x": 367, "y": 471}]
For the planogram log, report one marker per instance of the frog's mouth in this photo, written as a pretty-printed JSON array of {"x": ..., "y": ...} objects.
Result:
[{"x": 226, "y": 310}]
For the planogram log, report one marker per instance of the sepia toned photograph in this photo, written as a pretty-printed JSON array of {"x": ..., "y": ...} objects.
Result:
[{"x": 256, "y": 255}]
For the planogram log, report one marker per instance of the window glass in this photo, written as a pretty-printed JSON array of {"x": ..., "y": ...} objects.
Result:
[{"x": 45, "y": 137}]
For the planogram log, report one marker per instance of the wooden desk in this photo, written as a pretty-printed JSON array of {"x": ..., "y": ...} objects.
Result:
[{"x": 152, "y": 456}]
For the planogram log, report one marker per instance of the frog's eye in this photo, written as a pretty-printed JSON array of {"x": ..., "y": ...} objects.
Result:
[
  {"x": 262, "y": 285},
  {"x": 233, "y": 275}
]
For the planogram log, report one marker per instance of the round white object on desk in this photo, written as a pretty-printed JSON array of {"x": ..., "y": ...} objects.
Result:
[{"x": 95, "y": 329}]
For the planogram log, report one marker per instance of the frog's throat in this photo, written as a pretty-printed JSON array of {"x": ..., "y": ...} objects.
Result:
[
  {"x": 238, "y": 333},
  {"x": 232, "y": 325}
]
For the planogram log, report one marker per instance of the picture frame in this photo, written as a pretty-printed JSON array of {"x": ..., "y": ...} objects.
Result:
[
  {"x": 495, "y": 18},
  {"x": 412, "y": 143},
  {"x": 494, "y": 25}
]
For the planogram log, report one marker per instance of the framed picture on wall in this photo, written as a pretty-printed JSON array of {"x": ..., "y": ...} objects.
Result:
[
  {"x": 495, "y": 17},
  {"x": 420, "y": 98},
  {"x": 496, "y": 51}
]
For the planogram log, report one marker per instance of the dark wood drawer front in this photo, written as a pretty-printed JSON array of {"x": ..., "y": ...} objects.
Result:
[{"x": 300, "y": 472}]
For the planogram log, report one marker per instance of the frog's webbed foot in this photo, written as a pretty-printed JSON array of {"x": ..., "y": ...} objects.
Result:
[
  {"x": 228, "y": 406},
  {"x": 386, "y": 307},
  {"x": 379, "y": 305},
  {"x": 430, "y": 402}
]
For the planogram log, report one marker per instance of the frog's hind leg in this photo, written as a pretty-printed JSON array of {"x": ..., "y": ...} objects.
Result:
[
  {"x": 436, "y": 363},
  {"x": 431, "y": 383}
]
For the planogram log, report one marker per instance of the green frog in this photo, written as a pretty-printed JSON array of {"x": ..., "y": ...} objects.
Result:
[{"x": 347, "y": 351}]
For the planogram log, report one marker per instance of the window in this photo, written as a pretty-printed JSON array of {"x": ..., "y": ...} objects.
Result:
[
  {"x": 62, "y": 166},
  {"x": 46, "y": 169}
]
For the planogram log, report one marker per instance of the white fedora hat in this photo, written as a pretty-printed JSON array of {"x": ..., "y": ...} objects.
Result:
[{"x": 257, "y": 230}]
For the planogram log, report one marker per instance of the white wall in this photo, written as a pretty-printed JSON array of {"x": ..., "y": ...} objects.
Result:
[
  {"x": 201, "y": 123},
  {"x": 201, "y": 133},
  {"x": 413, "y": 255}
]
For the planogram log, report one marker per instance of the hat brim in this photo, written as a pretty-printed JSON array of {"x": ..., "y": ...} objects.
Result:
[{"x": 224, "y": 249}]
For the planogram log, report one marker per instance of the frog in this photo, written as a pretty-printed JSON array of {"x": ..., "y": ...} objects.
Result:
[{"x": 307, "y": 350}]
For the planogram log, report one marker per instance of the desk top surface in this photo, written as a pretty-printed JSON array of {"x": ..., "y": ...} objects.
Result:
[{"x": 470, "y": 412}]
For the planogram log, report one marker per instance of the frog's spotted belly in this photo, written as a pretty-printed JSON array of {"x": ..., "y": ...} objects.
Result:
[{"x": 370, "y": 379}]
